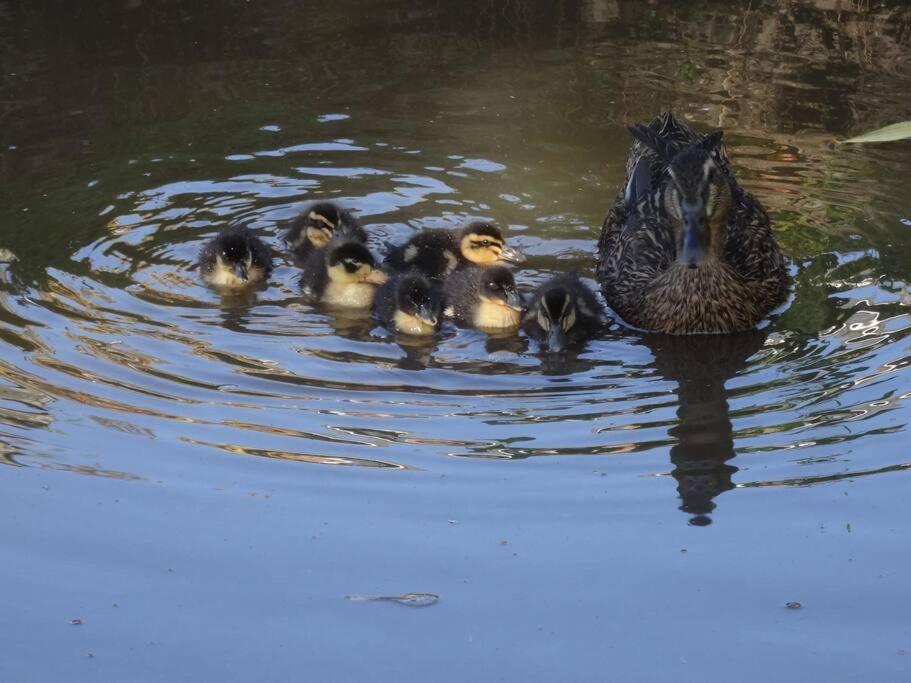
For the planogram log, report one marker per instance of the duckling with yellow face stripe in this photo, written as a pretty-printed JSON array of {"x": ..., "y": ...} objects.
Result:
[
  {"x": 437, "y": 253},
  {"x": 483, "y": 297},
  {"x": 318, "y": 225},
  {"x": 341, "y": 274},
  {"x": 563, "y": 312},
  {"x": 235, "y": 259}
]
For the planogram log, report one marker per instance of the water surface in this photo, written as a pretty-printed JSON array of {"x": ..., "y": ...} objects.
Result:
[{"x": 202, "y": 481}]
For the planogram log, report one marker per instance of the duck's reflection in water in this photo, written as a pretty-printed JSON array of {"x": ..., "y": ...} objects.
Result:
[
  {"x": 703, "y": 435},
  {"x": 504, "y": 344},
  {"x": 418, "y": 351},
  {"x": 235, "y": 309},
  {"x": 354, "y": 324}
]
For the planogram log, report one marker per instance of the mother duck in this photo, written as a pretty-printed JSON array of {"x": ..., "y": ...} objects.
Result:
[{"x": 686, "y": 250}]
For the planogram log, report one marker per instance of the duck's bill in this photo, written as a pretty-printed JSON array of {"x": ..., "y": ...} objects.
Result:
[
  {"x": 428, "y": 316},
  {"x": 240, "y": 272},
  {"x": 376, "y": 277},
  {"x": 514, "y": 301},
  {"x": 511, "y": 254},
  {"x": 556, "y": 339}
]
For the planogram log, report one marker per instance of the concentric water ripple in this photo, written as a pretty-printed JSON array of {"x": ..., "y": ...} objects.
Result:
[{"x": 109, "y": 334}]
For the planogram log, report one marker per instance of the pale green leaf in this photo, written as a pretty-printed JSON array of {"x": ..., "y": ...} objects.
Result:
[{"x": 897, "y": 131}]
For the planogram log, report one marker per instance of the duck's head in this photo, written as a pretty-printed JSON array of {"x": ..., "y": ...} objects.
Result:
[
  {"x": 484, "y": 244},
  {"x": 418, "y": 299},
  {"x": 556, "y": 313},
  {"x": 351, "y": 262},
  {"x": 499, "y": 287},
  {"x": 234, "y": 253},
  {"x": 698, "y": 202},
  {"x": 325, "y": 221},
  {"x": 696, "y": 196}
]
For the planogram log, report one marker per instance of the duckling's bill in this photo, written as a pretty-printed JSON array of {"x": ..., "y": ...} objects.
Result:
[{"x": 511, "y": 254}]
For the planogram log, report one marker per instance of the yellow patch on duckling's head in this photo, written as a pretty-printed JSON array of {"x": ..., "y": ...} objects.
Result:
[
  {"x": 320, "y": 228},
  {"x": 483, "y": 243},
  {"x": 351, "y": 262}
]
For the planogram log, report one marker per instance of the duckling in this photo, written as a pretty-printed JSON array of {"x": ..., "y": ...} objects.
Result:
[
  {"x": 319, "y": 224},
  {"x": 234, "y": 259},
  {"x": 563, "y": 312},
  {"x": 409, "y": 303},
  {"x": 483, "y": 296},
  {"x": 437, "y": 253},
  {"x": 343, "y": 274},
  {"x": 686, "y": 250}
]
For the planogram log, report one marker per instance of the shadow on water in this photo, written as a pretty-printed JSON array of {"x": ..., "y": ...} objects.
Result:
[{"x": 703, "y": 437}]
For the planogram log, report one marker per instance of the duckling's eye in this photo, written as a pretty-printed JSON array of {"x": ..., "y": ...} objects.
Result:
[
  {"x": 494, "y": 286},
  {"x": 485, "y": 243}
]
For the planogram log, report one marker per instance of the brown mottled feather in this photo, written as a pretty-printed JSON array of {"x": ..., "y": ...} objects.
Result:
[{"x": 637, "y": 267}]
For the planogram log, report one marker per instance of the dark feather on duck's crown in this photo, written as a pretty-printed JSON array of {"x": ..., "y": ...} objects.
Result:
[
  {"x": 351, "y": 255},
  {"x": 320, "y": 223}
]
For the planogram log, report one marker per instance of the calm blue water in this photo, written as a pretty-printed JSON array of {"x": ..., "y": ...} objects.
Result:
[{"x": 201, "y": 482}]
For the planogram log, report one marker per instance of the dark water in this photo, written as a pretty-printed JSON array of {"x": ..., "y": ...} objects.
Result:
[{"x": 202, "y": 482}]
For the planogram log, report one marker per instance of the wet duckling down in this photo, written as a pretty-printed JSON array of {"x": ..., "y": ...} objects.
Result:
[
  {"x": 563, "y": 312},
  {"x": 235, "y": 259},
  {"x": 319, "y": 224},
  {"x": 409, "y": 303},
  {"x": 341, "y": 274},
  {"x": 437, "y": 253},
  {"x": 483, "y": 297}
]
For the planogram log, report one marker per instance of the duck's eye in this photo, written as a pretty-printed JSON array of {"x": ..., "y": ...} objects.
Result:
[
  {"x": 485, "y": 243},
  {"x": 494, "y": 286}
]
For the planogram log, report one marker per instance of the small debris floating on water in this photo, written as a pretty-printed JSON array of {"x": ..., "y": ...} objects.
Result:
[
  {"x": 410, "y": 599},
  {"x": 793, "y": 605},
  {"x": 75, "y": 622}
]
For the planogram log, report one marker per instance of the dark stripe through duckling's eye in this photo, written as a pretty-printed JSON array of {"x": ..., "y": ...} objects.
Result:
[{"x": 478, "y": 244}]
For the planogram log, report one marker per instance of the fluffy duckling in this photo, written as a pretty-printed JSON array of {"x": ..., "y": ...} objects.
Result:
[
  {"x": 483, "y": 297},
  {"x": 410, "y": 304},
  {"x": 437, "y": 253},
  {"x": 341, "y": 274},
  {"x": 234, "y": 259},
  {"x": 563, "y": 312},
  {"x": 318, "y": 225}
]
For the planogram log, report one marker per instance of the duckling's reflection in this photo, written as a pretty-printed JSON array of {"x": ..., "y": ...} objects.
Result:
[
  {"x": 351, "y": 324},
  {"x": 235, "y": 309},
  {"x": 418, "y": 351},
  {"x": 701, "y": 365},
  {"x": 505, "y": 343}
]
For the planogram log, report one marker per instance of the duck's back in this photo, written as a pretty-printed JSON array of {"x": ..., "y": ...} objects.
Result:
[
  {"x": 315, "y": 274},
  {"x": 434, "y": 253},
  {"x": 461, "y": 295}
]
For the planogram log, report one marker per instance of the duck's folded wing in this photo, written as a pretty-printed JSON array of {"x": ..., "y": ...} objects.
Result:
[{"x": 751, "y": 247}]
